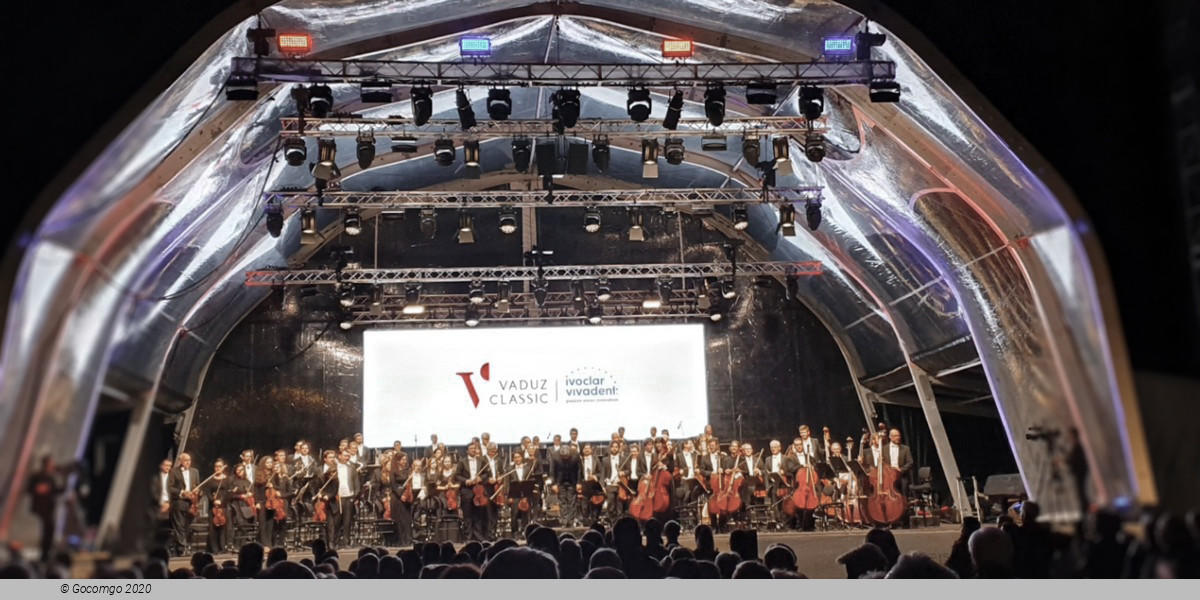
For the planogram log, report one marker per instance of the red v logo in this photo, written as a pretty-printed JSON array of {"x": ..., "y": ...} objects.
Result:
[{"x": 485, "y": 372}]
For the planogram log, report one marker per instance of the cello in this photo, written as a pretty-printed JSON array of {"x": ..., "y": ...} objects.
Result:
[
  {"x": 804, "y": 496},
  {"x": 660, "y": 494},
  {"x": 641, "y": 507}
]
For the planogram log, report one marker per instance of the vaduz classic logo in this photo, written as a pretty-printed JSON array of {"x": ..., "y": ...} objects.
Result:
[{"x": 485, "y": 372}]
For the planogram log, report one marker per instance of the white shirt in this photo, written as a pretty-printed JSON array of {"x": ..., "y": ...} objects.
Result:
[
  {"x": 166, "y": 497},
  {"x": 306, "y": 459},
  {"x": 614, "y": 462},
  {"x": 808, "y": 447},
  {"x": 343, "y": 471},
  {"x": 715, "y": 459},
  {"x": 776, "y": 461},
  {"x": 633, "y": 465},
  {"x": 750, "y": 465},
  {"x": 520, "y": 472},
  {"x": 418, "y": 483},
  {"x": 249, "y": 471},
  {"x": 473, "y": 465},
  {"x": 691, "y": 467},
  {"x": 587, "y": 467},
  {"x": 187, "y": 479},
  {"x": 492, "y": 466},
  {"x": 894, "y": 451}
]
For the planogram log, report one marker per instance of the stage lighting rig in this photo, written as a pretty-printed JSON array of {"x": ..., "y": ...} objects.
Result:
[
  {"x": 412, "y": 300},
  {"x": 466, "y": 228},
  {"x": 466, "y": 114},
  {"x": 443, "y": 151},
  {"x": 812, "y": 211},
  {"x": 375, "y": 92},
  {"x": 714, "y": 103},
  {"x": 471, "y": 316},
  {"x": 295, "y": 151},
  {"x": 591, "y": 219},
  {"x": 762, "y": 93},
  {"x": 308, "y": 220},
  {"x": 471, "y": 153},
  {"x": 566, "y": 109},
  {"x": 508, "y": 220},
  {"x": 541, "y": 289},
  {"x": 655, "y": 299},
  {"x": 352, "y": 222},
  {"x": 674, "y": 110},
  {"x": 365, "y": 149},
  {"x": 499, "y": 104},
  {"x": 577, "y": 294},
  {"x": 476, "y": 294},
  {"x": 595, "y": 314},
  {"x": 503, "y": 296},
  {"x": 326, "y": 169},
  {"x": 346, "y": 323},
  {"x": 346, "y": 297},
  {"x": 751, "y": 149},
  {"x": 422, "y": 104},
  {"x": 812, "y": 102},
  {"x": 741, "y": 217},
  {"x": 603, "y": 290},
  {"x": 783, "y": 149},
  {"x": 884, "y": 91},
  {"x": 787, "y": 219},
  {"x": 865, "y": 40},
  {"x": 649, "y": 158},
  {"x": 714, "y": 143},
  {"x": 274, "y": 215},
  {"x": 522, "y": 151},
  {"x": 320, "y": 100},
  {"x": 714, "y": 313},
  {"x": 728, "y": 288},
  {"x": 674, "y": 151},
  {"x": 428, "y": 223},
  {"x": 601, "y": 153},
  {"x": 638, "y": 104},
  {"x": 260, "y": 38},
  {"x": 637, "y": 233},
  {"x": 344, "y": 259},
  {"x": 814, "y": 146}
]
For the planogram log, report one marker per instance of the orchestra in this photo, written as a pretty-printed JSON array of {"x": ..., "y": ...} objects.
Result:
[{"x": 358, "y": 495}]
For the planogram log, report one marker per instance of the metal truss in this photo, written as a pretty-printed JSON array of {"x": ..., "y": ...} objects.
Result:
[
  {"x": 487, "y": 129},
  {"x": 817, "y": 72},
  {"x": 539, "y": 198},
  {"x": 548, "y": 273},
  {"x": 559, "y": 306}
]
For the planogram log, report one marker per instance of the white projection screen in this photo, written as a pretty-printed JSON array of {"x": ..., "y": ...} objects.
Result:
[{"x": 512, "y": 382}]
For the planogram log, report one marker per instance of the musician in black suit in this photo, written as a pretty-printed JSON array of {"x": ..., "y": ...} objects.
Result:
[
  {"x": 346, "y": 486},
  {"x": 496, "y": 470},
  {"x": 898, "y": 455},
  {"x": 160, "y": 505},
  {"x": 750, "y": 468},
  {"x": 523, "y": 470},
  {"x": 472, "y": 471},
  {"x": 800, "y": 457},
  {"x": 714, "y": 463},
  {"x": 566, "y": 476},
  {"x": 591, "y": 474},
  {"x": 611, "y": 467},
  {"x": 181, "y": 485},
  {"x": 687, "y": 468},
  {"x": 363, "y": 454}
]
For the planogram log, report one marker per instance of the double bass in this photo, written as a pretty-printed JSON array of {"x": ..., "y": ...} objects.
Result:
[{"x": 885, "y": 504}]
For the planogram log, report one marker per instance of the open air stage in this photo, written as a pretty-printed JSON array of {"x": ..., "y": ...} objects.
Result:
[{"x": 816, "y": 552}]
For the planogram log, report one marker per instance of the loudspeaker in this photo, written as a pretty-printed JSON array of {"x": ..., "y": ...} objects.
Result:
[
  {"x": 547, "y": 158},
  {"x": 577, "y": 158}
]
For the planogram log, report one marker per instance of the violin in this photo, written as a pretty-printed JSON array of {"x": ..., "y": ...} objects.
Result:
[
  {"x": 387, "y": 507},
  {"x": 218, "y": 510},
  {"x": 194, "y": 497},
  {"x": 407, "y": 496},
  {"x": 275, "y": 501},
  {"x": 451, "y": 494},
  {"x": 320, "y": 505}
]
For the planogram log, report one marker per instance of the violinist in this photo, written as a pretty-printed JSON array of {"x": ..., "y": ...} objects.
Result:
[
  {"x": 285, "y": 490},
  {"x": 264, "y": 479},
  {"x": 687, "y": 469},
  {"x": 215, "y": 490},
  {"x": 304, "y": 463},
  {"x": 663, "y": 454},
  {"x": 347, "y": 488},
  {"x": 472, "y": 471},
  {"x": 591, "y": 473},
  {"x": 181, "y": 486},
  {"x": 751, "y": 468},
  {"x": 522, "y": 470},
  {"x": 326, "y": 491},
  {"x": 612, "y": 468},
  {"x": 495, "y": 469},
  {"x": 240, "y": 498},
  {"x": 248, "y": 464}
]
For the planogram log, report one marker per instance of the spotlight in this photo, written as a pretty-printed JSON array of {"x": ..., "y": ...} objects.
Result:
[
  {"x": 344, "y": 255},
  {"x": 347, "y": 323},
  {"x": 728, "y": 288},
  {"x": 864, "y": 41},
  {"x": 471, "y": 153},
  {"x": 601, "y": 153},
  {"x": 443, "y": 151},
  {"x": 750, "y": 150},
  {"x": 406, "y": 144},
  {"x": 472, "y": 316},
  {"x": 638, "y": 105},
  {"x": 365, "y": 149},
  {"x": 812, "y": 210},
  {"x": 814, "y": 147},
  {"x": 714, "y": 143},
  {"x": 241, "y": 88},
  {"x": 714, "y": 103},
  {"x": 376, "y": 298},
  {"x": 412, "y": 301},
  {"x": 782, "y": 149},
  {"x": 540, "y": 291},
  {"x": 787, "y": 219},
  {"x": 274, "y": 213},
  {"x": 375, "y": 92},
  {"x": 649, "y": 159},
  {"x": 595, "y": 314},
  {"x": 812, "y": 102},
  {"x": 636, "y": 232},
  {"x": 658, "y": 295},
  {"x": 577, "y": 291},
  {"x": 422, "y": 104},
  {"x": 673, "y": 149},
  {"x": 466, "y": 228},
  {"x": 674, "y": 110},
  {"x": 295, "y": 151},
  {"x": 308, "y": 220},
  {"x": 508, "y": 220},
  {"x": 466, "y": 114},
  {"x": 346, "y": 296},
  {"x": 566, "y": 109},
  {"x": 476, "y": 293},
  {"x": 741, "y": 217},
  {"x": 591, "y": 219},
  {"x": 761, "y": 93},
  {"x": 499, "y": 104},
  {"x": 885, "y": 91},
  {"x": 320, "y": 100},
  {"x": 352, "y": 222},
  {"x": 326, "y": 168},
  {"x": 428, "y": 223},
  {"x": 521, "y": 153},
  {"x": 714, "y": 313},
  {"x": 603, "y": 290},
  {"x": 503, "y": 295}
]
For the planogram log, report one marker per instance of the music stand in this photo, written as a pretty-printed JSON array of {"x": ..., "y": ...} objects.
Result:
[
  {"x": 838, "y": 464},
  {"x": 857, "y": 468}
]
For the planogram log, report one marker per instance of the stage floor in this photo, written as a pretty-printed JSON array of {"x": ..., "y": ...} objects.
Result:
[{"x": 816, "y": 552}]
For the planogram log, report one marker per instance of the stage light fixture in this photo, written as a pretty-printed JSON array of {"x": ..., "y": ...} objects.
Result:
[
  {"x": 471, "y": 153},
  {"x": 308, "y": 220},
  {"x": 241, "y": 88},
  {"x": 814, "y": 147},
  {"x": 864, "y": 41},
  {"x": 674, "y": 151},
  {"x": 499, "y": 104},
  {"x": 365, "y": 149},
  {"x": 466, "y": 114},
  {"x": 714, "y": 313},
  {"x": 352, "y": 222},
  {"x": 443, "y": 151},
  {"x": 783, "y": 149},
  {"x": 326, "y": 169},
  {"x": 577, "y": 294},
  {"x": 566, "y": 109},
  {"x": 728, "y": 288},
  {"x": 412, "y": 300},
  {"x": 603, "y": 290},
  {"x": 508, "y": 220},
  {"x": 674, "y": 110},
  {"x": 294, "y": 45},
  {"x": 274, "y": 216},
  {"x": 345, "y": 258},
  {"x": 638, "y": 105},
  {"x": 428, "y": 223},
  {"x": 471, "y": 316},
  {"x": 503, "y": 296},
  {"x": 714, "y": 103},
  {"x": 750, "y": 149},
  {"x": 466, "y": 228},
  {"x": 376, "y": 298},
  {"x": 762, "y": 93},
  {"x": 812, "y": 102},
  {"x": 522, "y": 151},
  {"x": 601, "y": 153},
  {"x": 541, "y": 288},
  {"x": 422, "y": 104},
  {"x": 347, "y": 323},
  {"x": 591, "y": 219},
  {"x": 652, "y": 302},
  {"x": 375, "y": 92},
  {"x": 787, "y": 219},
  {"x": 637, "y": 233},
  {"x": 295, "y": 151},
  {"x": 812, "y": 211},
  {"x": 649, "y": 159},
  {"x": 884, "y": 91},
  {"x": 475, "y": 47},
  {"x": 714, "y": 143},
  {"x": 741, "y": 217},
  {"x": 678, "y": 49},
  {"x": 320, "y": 100},
  {"x": 260, "y": 40},
  {"x": 405, "y": 144},
  {"x": 346, "y": 296},
  {"x": 595, "y": 314},
  {"x": 476, "y": 294}
]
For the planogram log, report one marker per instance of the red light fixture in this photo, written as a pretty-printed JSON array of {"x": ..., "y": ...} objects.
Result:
[
  {"x": 294, "y": 44},
  {"x": 678, "y": 48}
]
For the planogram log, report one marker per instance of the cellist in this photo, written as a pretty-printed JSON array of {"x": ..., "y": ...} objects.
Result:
[
  {"x": 714, "y": 463},
  {"x": 801, "y": 467}
]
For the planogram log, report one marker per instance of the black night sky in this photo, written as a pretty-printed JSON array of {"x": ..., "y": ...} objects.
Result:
[{"x": 1086, "y": 84}]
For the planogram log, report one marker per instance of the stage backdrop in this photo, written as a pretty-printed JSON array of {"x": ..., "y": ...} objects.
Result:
[{"x": 513, "y": 381}]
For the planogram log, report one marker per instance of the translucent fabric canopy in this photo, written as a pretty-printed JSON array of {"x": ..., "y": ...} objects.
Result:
[{"x": 942, "y": 248}]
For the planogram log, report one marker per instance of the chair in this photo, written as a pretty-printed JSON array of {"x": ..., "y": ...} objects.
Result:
[{"x": 921, "y": 500}]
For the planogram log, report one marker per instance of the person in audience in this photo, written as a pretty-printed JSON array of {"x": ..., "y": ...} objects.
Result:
[
  {"x": 865, "y": 559},
  {"x": 919, "y": 566},
  {"x": 706, "y": 547},
  {"x": 960, "y": 557},
  {"x": 886, "y": 541},
  {"x": 992, "y": 552}
]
